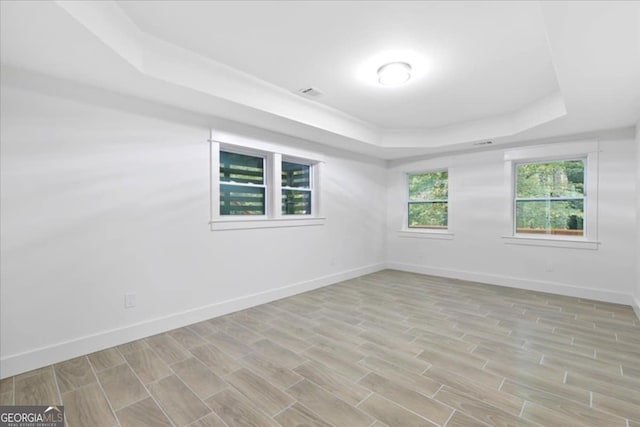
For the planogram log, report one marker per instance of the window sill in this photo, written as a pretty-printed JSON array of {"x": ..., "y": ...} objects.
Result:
[
  {"x": 253, "y": 223},
  {"x": 426, "y": 234},
  {"x": 551, "y": 242}
]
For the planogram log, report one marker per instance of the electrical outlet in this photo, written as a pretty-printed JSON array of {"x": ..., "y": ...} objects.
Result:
[{"x": 129, "y": 300}]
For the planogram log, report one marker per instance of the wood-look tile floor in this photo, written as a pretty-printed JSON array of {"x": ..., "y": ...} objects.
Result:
[{"x": 388, "y": 349}]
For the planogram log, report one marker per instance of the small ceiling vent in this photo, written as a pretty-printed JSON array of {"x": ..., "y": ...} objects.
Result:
[{"x": 310, "y": 92}]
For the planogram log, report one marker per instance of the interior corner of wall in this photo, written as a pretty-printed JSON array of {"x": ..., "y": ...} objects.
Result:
[{"x": 635, "y": 303}]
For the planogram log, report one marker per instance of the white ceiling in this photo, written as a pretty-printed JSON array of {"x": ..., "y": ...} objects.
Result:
[
  {"x": 478, "y": 60},
  {"x": 505, "y": 71}
]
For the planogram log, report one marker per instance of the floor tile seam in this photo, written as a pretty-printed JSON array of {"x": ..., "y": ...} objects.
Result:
[
  {"x": 80, "y": 388},
  {"x": 273, "y": 417},
  {"x": 410, "y": 410},
  {"x": 174, "y": 373},
  {"x": 254, "y": 372},
  {"x": 227, "y": 386},
  {"x": 245, "y": 400},
  {"x": 409, "y": 387},
  {"x": 450, "y": 416},
  {"x": 149, "y": 394},
  {"x": 601, "y": 412},
  {"x": 296, "y": 383},
  {"x": 605, "y": 384},
  {"x": 104, "y": 394},
  {"x": 478, "y": 400},
  {"x": 306, "y": 360},
  {"x": 331, "y": 392},
  {"x": 524, "y": 402},
  {"x": 130, "y": 404},
  {"x": 55, "y": 380},
  {"x": 14, "y": 389},
  {"x": 611, "y": 412},
  {"x": 95, "y": 377},
  {"x": 588, "y": 371},
  {"x": 552, "y": 394},
  {"x": 205, "y": 416},
  {"x": 471, "y": 396}
]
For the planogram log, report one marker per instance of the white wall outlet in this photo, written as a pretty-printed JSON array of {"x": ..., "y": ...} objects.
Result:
[{"x": 129, "y": 300}]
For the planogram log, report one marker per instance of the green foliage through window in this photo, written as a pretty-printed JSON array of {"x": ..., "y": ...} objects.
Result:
[
  {"x": 428, "y": 200},
  {"x": 242, "y": 190},
  {"x": 296, "y": 189},
  {"x": 549, "y": 198}
]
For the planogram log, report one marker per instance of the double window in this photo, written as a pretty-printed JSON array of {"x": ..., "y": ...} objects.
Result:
[
  {"x": 243, "y": 186},
  {"x": 428, "y": 203},
  {"x": 254, "y": 188}
]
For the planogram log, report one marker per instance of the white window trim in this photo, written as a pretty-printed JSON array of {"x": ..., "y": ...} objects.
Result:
[
  {"x": 425, "y": 233},
  {"x": 587, "y": 150},
  {"x": 273, "y": 217},
  {"x": 313, "y": 182}
]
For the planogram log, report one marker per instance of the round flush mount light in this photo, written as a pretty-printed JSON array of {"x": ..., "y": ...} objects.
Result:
[
  {"x": 410, "y": 65},
  {"x": 394, "y": 73}
]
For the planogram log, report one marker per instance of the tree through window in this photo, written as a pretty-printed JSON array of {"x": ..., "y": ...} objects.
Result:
[
  {"x": 428, "y": 204},
  {"x": 550, "y": 198}
]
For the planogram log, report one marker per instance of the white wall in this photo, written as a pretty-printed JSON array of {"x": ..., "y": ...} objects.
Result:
[
  {"x": 102, "y": 195},
  {"x": 636, "y": 302},
  {"x": 478, "y": 202},
  {"x": 97, "y": 202}
]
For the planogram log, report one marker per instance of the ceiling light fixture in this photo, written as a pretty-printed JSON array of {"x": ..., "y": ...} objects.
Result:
[{"x": 394, "y": 73}]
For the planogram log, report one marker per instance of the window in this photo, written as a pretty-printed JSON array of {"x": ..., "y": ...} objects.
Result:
[
  {"x": 296, "y": 189},
  {"x": 553, "y": 195},
  {"x": 254, "y": 186},
  {"x": 550, "y": 198},
  {"x": 242, "y": 184},
  {"x": 428, "y": 200}
]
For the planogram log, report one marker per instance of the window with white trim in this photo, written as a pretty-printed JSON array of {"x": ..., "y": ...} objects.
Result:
[
  {"x": 297, "y": 191},
  {"x": 553, "y": 195},
  {"x": 242, "y": 184},
  {"x": 259, "y": 188},
  {"x": 428, "y": 201},
  {"x": 550, "y": 197}
]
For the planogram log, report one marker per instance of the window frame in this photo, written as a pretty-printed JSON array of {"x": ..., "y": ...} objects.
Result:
[
  {"x": 273, "y": 217},
  {"x": 427, "y": 233},
  {"x": 517, "y": 199},
  {"x": 264, "y": 185},
  {"x": 580, "y": 150},
  {"x": 428, "y": 201},
  {"x": 309, "y": 189}
]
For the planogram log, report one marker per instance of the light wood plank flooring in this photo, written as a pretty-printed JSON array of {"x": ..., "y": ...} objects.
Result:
[{"x": 388, "y": 349}]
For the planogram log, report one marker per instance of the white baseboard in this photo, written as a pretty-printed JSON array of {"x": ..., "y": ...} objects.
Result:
[
  {"x": 636, "y": 305},
  {"x": 517, "y": 282},
  {"x": 37, "y": 358}
]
